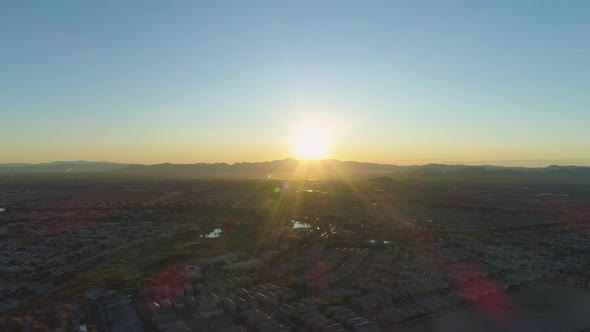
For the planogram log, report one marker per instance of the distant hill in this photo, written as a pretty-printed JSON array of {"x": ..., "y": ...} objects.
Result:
[
  {"x": 286, "y": 168},
  {"x": 292, "y": 168},
  {"x": 563, "y": 174},
  {"x": 62, "y": 166}
]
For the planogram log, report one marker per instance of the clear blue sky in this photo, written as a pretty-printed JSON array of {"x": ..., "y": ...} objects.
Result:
[{"x": 504, "y": 82}]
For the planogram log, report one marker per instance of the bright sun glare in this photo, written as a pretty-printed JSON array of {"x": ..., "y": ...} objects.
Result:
[{"x": 311, "y": 142}]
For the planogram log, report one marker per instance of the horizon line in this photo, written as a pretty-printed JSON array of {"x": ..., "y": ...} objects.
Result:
[{"x": 546, "y": 162}]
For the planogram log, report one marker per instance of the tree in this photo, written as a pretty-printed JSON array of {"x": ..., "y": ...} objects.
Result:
[
  {"x": 39, "y": 328},
  {"x": 15, "y": 324}
]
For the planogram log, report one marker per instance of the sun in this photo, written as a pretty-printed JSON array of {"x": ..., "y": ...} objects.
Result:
[{"x": 311, "y": 142}]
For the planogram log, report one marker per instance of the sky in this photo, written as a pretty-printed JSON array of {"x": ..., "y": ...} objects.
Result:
[{"x": 403, "y": 82}]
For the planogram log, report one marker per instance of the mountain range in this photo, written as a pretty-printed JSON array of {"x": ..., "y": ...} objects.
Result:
[{"x": 292, "y": 168}]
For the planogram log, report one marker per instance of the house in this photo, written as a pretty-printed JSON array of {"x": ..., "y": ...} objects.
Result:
[
  {"x": 209, "y": 310},
  {"x": 192, "y": 272},
  {"x": 229, "y": 305},
  {"x": 164, "y": 317},
  {"x": 94, "y": 294},
  {"x": 366, "y": 327},
  {"x": 391, "y": 316},
  {"x": 334, "y": 328},
  {"x": 176, "y": 326},
  {"x": 233, "y": 328},
  {"x": 165, "y": 304}
]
